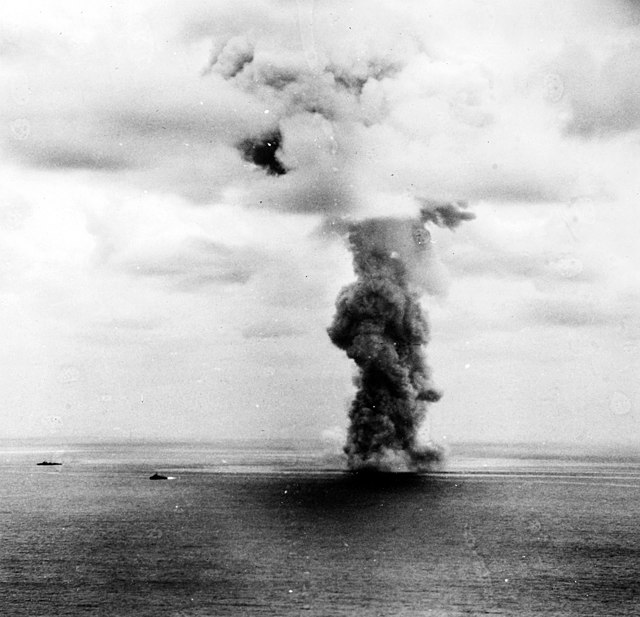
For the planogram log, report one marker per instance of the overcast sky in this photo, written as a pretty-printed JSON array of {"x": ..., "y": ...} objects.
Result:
[{"x": 155, "y": 284}]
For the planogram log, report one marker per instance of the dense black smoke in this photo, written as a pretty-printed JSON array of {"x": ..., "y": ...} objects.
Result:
[
  {"x": 382, "y": 328},
  {"x": 263, "y": 152}
]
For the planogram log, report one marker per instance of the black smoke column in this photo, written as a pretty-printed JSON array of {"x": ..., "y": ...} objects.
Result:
[{"x": 381, "y": 326}]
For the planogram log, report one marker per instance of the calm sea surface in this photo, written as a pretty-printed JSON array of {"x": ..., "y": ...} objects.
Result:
[{"x": 274, "y": 533}]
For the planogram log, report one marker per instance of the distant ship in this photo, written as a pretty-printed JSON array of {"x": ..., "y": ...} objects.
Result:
[
  {"x": 157, "y": 476},
  {"x": 48, "y": 463}
]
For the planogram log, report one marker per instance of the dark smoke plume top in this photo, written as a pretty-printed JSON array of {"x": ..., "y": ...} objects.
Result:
[
  {"x": 444, "y": 213},
  {"x": 263, "y": 152}
]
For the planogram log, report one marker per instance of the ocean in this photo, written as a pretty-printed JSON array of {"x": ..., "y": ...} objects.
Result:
[{"x": 282, "y": 532}]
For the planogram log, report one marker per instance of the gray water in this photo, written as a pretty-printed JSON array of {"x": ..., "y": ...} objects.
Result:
[{"x": 263, "y": 533}]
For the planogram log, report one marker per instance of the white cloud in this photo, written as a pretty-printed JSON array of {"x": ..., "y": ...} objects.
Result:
[{"x": 389, "y": 102}]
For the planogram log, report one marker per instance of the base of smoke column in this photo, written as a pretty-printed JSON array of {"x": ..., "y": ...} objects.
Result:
[
  {"x": 370, "y": 472},
  {"x": 407, "y": 462}
]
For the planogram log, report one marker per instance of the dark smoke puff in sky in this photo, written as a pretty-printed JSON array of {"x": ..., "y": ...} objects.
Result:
[
  {"x": 382, "y": 328},
  {"x": 263, "y": 152},
  {"x": 445, "y": 214}
]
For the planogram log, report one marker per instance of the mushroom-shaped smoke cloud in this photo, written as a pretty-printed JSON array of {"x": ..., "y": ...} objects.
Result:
[{"x": 323, "y": 107}]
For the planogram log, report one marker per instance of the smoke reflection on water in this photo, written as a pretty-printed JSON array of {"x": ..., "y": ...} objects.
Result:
[{"x": 342, "y": 492}]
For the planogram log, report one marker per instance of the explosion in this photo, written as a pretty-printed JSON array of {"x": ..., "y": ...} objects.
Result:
[{"x": 318, "y": 113}]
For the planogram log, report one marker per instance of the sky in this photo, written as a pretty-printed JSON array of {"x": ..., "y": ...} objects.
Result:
[{"x": 155, "y": 283}]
